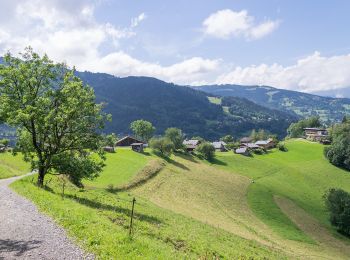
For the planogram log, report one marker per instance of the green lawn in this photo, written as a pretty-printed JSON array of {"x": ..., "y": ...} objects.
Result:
[
  {"x": 99, "y": 220},
  {"x": 302, "y": 174},
  {"x": 12, "y": 165},
  {"x": 121, "y": 166}
]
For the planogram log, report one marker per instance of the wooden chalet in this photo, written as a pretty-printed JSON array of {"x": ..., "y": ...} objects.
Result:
[
  {"x": 266, "y": 144},
  {"x": 191, "y": 145},
  {"x": 246, "y": 140},
  {"x": 219, "y": 146},
  {"x": 316, "y": 134},
  {"x": 243, "y": 151},
  {"x": 127, "y": 141}
]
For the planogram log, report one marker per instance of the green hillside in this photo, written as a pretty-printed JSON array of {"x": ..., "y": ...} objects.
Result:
[
  {"x": 303, "y": 104},
  {"x": 12, "y": 165},
  {"x": 266, "y": 206}
]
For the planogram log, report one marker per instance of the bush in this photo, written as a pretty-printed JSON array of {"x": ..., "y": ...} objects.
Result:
[
  {"x": 176, "y": 137},
  {"x": 206, "y": 150},
  {"x": 282, "y": 147},
  {"x": 338, "y": 203},
  {"x": 259, "y": 151},
  {"x": 338, "y": 153},
  {"x": 162, "y": 146}
]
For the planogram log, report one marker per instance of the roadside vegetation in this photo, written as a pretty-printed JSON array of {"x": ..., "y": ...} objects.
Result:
[{"x": 11, "y": 165}]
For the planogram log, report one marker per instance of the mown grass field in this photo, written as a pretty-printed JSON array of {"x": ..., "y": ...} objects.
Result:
[
  {"x": 99, "y": 219},
  {"x": 11, "y": 166},
  {"x": 236, "y": 207}
]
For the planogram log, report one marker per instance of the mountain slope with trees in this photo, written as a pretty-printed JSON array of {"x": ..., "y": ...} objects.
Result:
[
  {"x": 168, "y": 105},
  {"x": 303, "y": 104}
]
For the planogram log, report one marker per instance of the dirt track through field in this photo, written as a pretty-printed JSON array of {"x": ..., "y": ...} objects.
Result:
[{"x": 25, "y": 233}]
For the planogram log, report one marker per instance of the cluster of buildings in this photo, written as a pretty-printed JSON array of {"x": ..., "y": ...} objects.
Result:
[
  {"x": 245, "y": 147},
  {"x": 317, "y": 135}
]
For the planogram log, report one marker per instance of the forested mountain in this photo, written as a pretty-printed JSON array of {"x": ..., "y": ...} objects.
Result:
[
  {"x": 329, "y": 109},
  {"x": 168, "y": 105}
]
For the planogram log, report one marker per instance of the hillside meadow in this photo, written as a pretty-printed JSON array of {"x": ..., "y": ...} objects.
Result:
[
  {"x": 266, "y": 206},
  {"x": 11, "y": 165}
]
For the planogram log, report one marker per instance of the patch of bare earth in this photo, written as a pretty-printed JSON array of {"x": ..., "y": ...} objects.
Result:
[{"x": 329, "y": 246}]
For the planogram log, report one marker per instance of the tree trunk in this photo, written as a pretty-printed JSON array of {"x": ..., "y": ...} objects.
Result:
[{"x": 41, "y": 175}]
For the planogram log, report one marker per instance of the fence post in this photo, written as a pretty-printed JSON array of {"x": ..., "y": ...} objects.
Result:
[{"x": 132, "y": 215}]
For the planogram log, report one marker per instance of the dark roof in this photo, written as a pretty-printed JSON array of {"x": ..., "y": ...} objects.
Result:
[
  {"x": 315, "y": 129},
  {"x": 136, "y": 144},
  {"x": 246, "y": 140},
  {"x": 128, "y": 137}
]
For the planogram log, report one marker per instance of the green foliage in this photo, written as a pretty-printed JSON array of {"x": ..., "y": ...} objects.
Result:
[
  {"x": 110, "y": 140},
  {"x": 260, "y": 135},
  {"x": 227, "y": 139},
  {"x": 282, "y": 147},
  {"x": 162, "y": 145},
  {"x": 259, "y": 151},
  {"x": 55, "y": 114},
  {"x": 232, "y": 146},
  {"x": 296, "y": 130},
  {"x": 199, "y": 138},
  {"x": 338, "y": 153},
  {"x": 142, "y": 129},
  {"x": 5, "y": 141},
  {"x": 206, "y": 150},
  {"x": 175, "y": 136},
  {"x": 338, "y": 203}
]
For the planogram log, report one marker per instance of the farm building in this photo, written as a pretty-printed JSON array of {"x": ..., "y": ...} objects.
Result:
[
  {"x": 2, "y": 148},
  {"x": 242, "y": 150},
  {"x": 127, "y": 141},
  {"x": 252, "y": 146},
  {"x": 219, "y": 146},
  {"x": 191, "y": 144},
  {"x": 316, "y": 134},
  {"x": 109, "y": 149},
  {"x": 266, "y": 144},
  {"x": 246, "y": 140},
  {"x": 137, "y": 147}
]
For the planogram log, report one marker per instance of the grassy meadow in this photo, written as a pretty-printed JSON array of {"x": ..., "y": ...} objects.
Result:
[
  {"x": 11, "y": 165},
  {"x": 263, "y": 207}
]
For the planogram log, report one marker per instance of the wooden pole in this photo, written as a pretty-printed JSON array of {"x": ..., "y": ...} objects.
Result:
[{"x": 132, "y": 215}]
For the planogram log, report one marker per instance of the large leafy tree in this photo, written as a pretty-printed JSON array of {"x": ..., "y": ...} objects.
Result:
[
  {"x": 338, "y": 153},
  {"x": 142, "y": 129},
  {"x": 175, "y": 136},
  {"x": 297, "y": 129},
  {"x": 56, "y": 116}
]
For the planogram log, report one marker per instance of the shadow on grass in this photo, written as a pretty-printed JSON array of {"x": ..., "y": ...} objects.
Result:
[
  {"x": 175, "y": 163},
  {"x": 216, "y": 161},
  {"x": 101, "y": 206},
  {"x": 18, "y": 246},
  {"x": 187, "y": 157}
]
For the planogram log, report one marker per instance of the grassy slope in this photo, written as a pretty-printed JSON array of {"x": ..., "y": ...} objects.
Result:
[
  {"x": 302, "y": 174},
  {"x": 12, "y": 165},
  {"x": 99, "y": 220},
  {"x": 121, "y": 166}
]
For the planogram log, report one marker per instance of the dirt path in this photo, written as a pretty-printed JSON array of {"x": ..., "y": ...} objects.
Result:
[{"x": 27, "y": 234}]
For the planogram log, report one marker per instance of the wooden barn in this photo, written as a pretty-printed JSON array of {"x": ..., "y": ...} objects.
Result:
[{"x": 127, "y": 141}]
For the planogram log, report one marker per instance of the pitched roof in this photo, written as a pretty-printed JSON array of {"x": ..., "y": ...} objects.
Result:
[
  {"x": 191, "y": 142},
  {"x": 251, "y": 145},
  {"x": 241, "y": 150},
  {"x": 246, "y": 140},
  {"x": 218, "y": 145}
]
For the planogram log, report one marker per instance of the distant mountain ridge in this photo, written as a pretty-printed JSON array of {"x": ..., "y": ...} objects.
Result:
[
  {"x": 169, "y": 105},
  {"x": 329, "y": 109}
]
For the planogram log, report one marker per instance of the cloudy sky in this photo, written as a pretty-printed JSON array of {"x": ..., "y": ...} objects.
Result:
[{"x": 293, "y": 44}]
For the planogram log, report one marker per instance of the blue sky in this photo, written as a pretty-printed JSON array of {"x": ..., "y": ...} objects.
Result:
[{"x": 298, "y": 45}]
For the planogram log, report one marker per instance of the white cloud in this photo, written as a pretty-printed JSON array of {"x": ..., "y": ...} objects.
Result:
[
  {"x": 137, "y": 20},
  {"x": 68, "y": 31},
  {"x": 226, "y": 23},
  {"x": 312, "y": 73}
]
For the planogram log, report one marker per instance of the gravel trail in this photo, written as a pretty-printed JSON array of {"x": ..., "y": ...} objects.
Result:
[{"x": 25, "y": 233}]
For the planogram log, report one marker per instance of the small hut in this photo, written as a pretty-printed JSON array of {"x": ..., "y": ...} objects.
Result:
[
  {"x": 109, "y": 149},
  {"x": 127, "y": 141},
  {"x": 137, "y": 147}
]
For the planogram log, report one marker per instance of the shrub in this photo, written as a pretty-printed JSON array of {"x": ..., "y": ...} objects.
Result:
[
  {"x": 338, "y": 203},
  {"x": 162, "y": 146},
  {"x": 206, "y": 150},
  {"x": 282, "y": 147},
  {"x": 259, "y": 151},
  {"x": 175, "y": 136}
]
